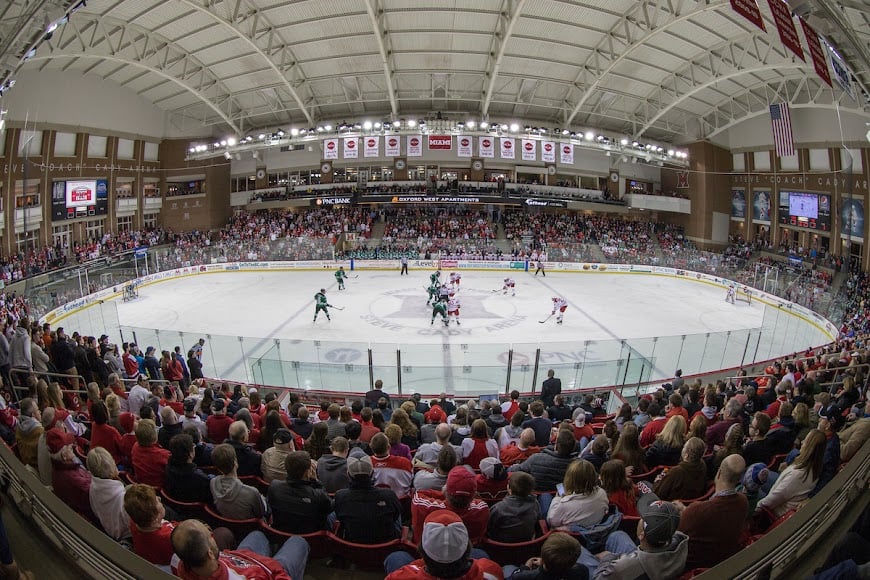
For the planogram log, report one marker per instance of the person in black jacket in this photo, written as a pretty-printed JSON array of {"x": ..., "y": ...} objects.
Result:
[
  {"x": 249, "y": 460},
  {"x": 194, "y": 366},
  {"x": 548, "y": 467},
  {"x": 152, "y": 365},
  {"x": 63, "y": 355},
  {"x": 368, "y": 514},
  {"x": 300, "y": 505},
  {"x": 184, "y": 480},
  {"x": 550, "y": 388}
]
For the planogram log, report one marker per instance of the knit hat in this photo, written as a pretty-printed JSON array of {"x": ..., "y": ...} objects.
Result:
[
  {"x": 492, "y": 468},
  {"x": 660, "y": 519},
  {"x": 434, "y": 415},
  {"x": 282, "y": 436},
  {"x": 756, "y": 476},
  {"x": 127, "y": 421},
  {"x": 359, "y": 466},
  {"x": 57, "y": 439},
  {"x": 579, "y": 417},
  {"x": 445, "y": 537},
  {"x": 148, "y": 350},
  {"x": 189, "y": 405},
  {"x": 834, "y": 416},
  {"x": 461, "y": 482}
]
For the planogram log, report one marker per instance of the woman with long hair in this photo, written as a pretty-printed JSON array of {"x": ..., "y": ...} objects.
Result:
[
  {"x": 733, "y": 444},
  {"x": 270, "y": 427},
  {"x": 397, "y": 448},
  {"x": 624, "y": 416},
  {"x": 668, "y": 446},
  {"x": 478, "y": 446},
  {"x": 698, "y": 427},
  {"x": 410, "y": 434},
  {"x": 801, "y": 416},
  {"x": 583, "y": 502},
  {"x": 318, "y": 445},
  {"x": 620, "y": 490},
  {"x": 55, "y": 397},
  {"x": 797, "y": 481},
  {"x": 628, "y": 449}
]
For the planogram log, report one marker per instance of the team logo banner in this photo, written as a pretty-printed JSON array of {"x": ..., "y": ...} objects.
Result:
[
  {"x": 393, "y": 146},
  {"x": 530, "y": 149},
  {"x": 443, "y": 142},
  {"x": 351, "y": 148},
  {"x": 415, "y": 145},
  {"x": 373, "y": 146},
  {"x": 507, "y": 148},
  {"x": 464, "y": 143},
  {"x": 487, "y": 147},
  {"x": 330, "y": 148},
  {"x": 548, "y": 152},
  {"x": 566, "y": 151}
]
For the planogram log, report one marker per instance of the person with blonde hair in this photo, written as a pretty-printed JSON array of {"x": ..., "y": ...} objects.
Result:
[
  {"x": 410, "y": 433},
  {"x": 582, "y": 502},
  {"x": 687, "y": 480},
  {"x": 669, "y": 443},
  {"x": 698, "y": 427},
  {"x": 797, "y": 481},
  {"x": 55, "y": 397},
  {"x": 397, "y": 448}
]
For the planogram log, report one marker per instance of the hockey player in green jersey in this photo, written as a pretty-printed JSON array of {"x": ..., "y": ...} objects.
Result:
[
  {"x": 321, "y": 304},
  {"x": 435, "y": 278},
  {"x": 433, "y": 293},
  {"x": 340, "y": 277},
  {"x": 439, "y": 307}
]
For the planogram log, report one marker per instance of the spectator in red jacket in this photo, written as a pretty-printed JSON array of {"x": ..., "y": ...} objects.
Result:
[
  {"x": 70, "y": 481},
  {"x": 150, "y": 531},
  {"x": 149, "y": 459},
  {"x": 218, "y": 423},
  {"x": 675, "y": 407},
  {"x": 654, "y": 427},
  {"x": 458, "y": 497},
  {"x": 104, "y": 435}
]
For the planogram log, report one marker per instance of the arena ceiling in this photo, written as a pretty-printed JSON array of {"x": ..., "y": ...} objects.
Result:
[{"x": 674, "y": 70}]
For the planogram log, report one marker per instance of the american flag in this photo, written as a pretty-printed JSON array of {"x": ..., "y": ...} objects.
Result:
[{"x": 780, "y": 119}]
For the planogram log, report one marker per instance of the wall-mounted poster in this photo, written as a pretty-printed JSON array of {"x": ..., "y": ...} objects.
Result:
[
  {"x": 852, "y": 218},
  {"x": 738, "y": 203},
  {"x": 761, "y": 206}
]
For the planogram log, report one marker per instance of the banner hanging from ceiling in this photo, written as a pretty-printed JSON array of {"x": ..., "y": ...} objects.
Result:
[
  {"x": 507, "y": 148},
  {"x": 785, "y": 24},
  {"x": 330, "y": 148},
  {"x": 351, "y": 148}
]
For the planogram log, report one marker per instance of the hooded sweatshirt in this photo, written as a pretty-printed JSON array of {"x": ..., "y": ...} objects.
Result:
[
  {"x": 332, "y": 473},
  {"x": 19, "y": 349},
  {"x": 27, "y": 436},
  {"x": 233, "y": 499}
]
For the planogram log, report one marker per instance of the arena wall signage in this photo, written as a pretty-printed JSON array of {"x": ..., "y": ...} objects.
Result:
[
  {"x": 530, "y": 202},
  {"x": 443, "y": 142},
  {"x": 448, "y": 199},
  {"x": 335, "y": 200}
]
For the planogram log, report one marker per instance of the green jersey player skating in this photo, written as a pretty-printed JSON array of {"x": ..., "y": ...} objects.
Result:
[
  {"x": 320, "y": 303},
  {"x": 340, "y": 277},
  {"x": 433, "y": 293},
  {"x": 435, "y": 278},
  {"x": 439, "y": 307}
]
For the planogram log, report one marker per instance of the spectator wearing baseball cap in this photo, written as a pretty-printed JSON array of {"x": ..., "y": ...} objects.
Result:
[
  {"x": 446, "y": 547},
  {"x": 367, "y": 514},
  {"x": 662, "y": 551},
  {"x": 459, "y": 497},
  {"x": 831, "y": 420},
  {"x": 492, "y": 482},
  {"x": 272, "y": 460}
]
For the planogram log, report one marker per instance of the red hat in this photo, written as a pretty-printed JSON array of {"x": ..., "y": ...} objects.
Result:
[
  {"x": 127, "y": 421},
  {"x": 57, "y": 439},
  {"x": 461, "y": 482},
  {"x": 434, "y": 415}
]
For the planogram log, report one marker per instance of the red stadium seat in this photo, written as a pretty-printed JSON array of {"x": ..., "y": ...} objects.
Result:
[
  {"x": 318, "y": 542},
  {"x": 185, "y": 509},
  {"x": 516, "y": 553},
  {"x": 239, "y": 528},
  {"x": 367, "y": 556}
]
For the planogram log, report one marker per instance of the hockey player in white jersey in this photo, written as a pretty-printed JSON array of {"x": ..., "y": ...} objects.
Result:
[
  {"x": 453, "y": 310},
  {"x": 560, "y": 305},
  {"x": 509, "y": 286}
]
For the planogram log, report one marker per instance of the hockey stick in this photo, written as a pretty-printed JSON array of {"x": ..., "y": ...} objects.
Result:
[
  {"x": 337, "y": 307},
  {"x": 546, "y": 319},
  {"x": 354, "y": 277}
]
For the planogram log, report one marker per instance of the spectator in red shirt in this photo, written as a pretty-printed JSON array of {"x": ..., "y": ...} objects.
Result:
[
  {"x": 581, "y": 429},
  {"x": 675, "y": 407},
  {"x": 104, "y": 435},
  {"x": 508, "y": 409},
  {"x": 620, "y": 490},
  {"x": 149, "y": 459},
  {"x": 492, "y": 481},
  {"x": 368, "y": 429},
  {"x": 218, "y": 423},
  {"x": 519, "y": 452},
  {"x": 458, "y": 497},
  {"x": 654, "y": 427},
  {"x": 70, "y": 481},
  {"x": 151, "y": 533}
]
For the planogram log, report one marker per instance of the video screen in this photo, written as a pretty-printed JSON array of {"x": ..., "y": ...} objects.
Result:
[
  {"x": 79, "y": 198},
  {"x": 81, "y": 193},
  {"x": 803, "y": 205}
]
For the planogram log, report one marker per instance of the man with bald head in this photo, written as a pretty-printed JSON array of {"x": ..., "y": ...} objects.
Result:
[
  {"x": 197, "y": 556},
  {"x": 427, "y": 454},
  {"x": 714, "y": 526},
  {"x": 519, "y": 452}
]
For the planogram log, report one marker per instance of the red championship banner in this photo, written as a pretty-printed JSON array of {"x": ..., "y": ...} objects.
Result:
[
  {"x": 785, "y": 24},
  {"x": 749, "y": 10},
  {"x": 415, "y": 145},
  {"x": 820, "y": 63},
  {"x": 566, "y": 156},
  {"x": 530, "y": 149},
  {"x": 351, "y": 148},
  {"x": 682, "y": 180},
  {"x": 464, "y": 144},
  {"x": 393, "y": 146},
  {"x": 330, "y": 148},
  {"x": 443, "y": 142},
  {"x": 372, "y": 146},
  {"x": 507, "y": 148},
  {"x": 487, "y": 147},
  {"x": 548, "y": 152}
]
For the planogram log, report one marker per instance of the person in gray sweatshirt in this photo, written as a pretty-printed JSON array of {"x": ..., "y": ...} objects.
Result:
[
  {"x": 232, "y": 498},
  {"x": 332, "y": 468}
]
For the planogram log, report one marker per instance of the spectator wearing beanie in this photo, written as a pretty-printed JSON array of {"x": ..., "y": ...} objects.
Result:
[
  {"x": 459, "y": 497},
  {"x": 492, "y": 481},
  {"x": 272, "y": 460}
]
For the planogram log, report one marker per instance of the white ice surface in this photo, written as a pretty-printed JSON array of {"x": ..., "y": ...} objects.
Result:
[{"x": 247, "y": 316}]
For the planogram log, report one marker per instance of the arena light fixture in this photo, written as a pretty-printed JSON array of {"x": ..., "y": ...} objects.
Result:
[
  {"x": 412, "y": 123},
  {"x": 670, "y": 152},
  {"x": 397, "y": 124},
  {"x": 367, "y": 125},
  {"x": 223, "y": 143},
  {"x": 191, "y": 150},
  {"x": 231, "y": 141},
  {"x": 484, "y": 125},
  {"x": 327, "y": 127},
  {"x": 590, "y": 136},
  {"x": 566, "y": 132},
  {"x": 623, "y": 141},
  {"x": 378, "y": 125},
  {"x": 228, "y": 155},
  {"x": 470, "y": 123}
]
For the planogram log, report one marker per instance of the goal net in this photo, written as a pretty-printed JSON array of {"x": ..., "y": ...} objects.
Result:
[{"x": 744, "y": 295}]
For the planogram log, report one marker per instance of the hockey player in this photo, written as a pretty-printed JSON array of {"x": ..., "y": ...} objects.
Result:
[
  {"x": 453, "y": 310},
  {"x": 455, "y": 278},
  {"x": 540, "y": 268},
  {"x": 509, "y": 285},
  {"x": 561, "y": 305},
  {"x": 433, "y": 293},
  {"x": 435, "y": 278},
  {"x": 439, "y": 307},
  {"x": 340, "y": 277},
  {"x": 320, "y": 303},
  {"x": 731, "y": 295},
  {"x": 444, "y": 292}
]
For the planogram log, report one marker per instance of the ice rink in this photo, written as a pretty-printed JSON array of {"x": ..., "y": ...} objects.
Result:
[{"x": 259, "y": 327}]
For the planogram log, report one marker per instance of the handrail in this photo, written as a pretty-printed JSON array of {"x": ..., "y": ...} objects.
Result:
[
  {"x": 27, "y": 373},
  {"x": 92, "y": 553}
]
